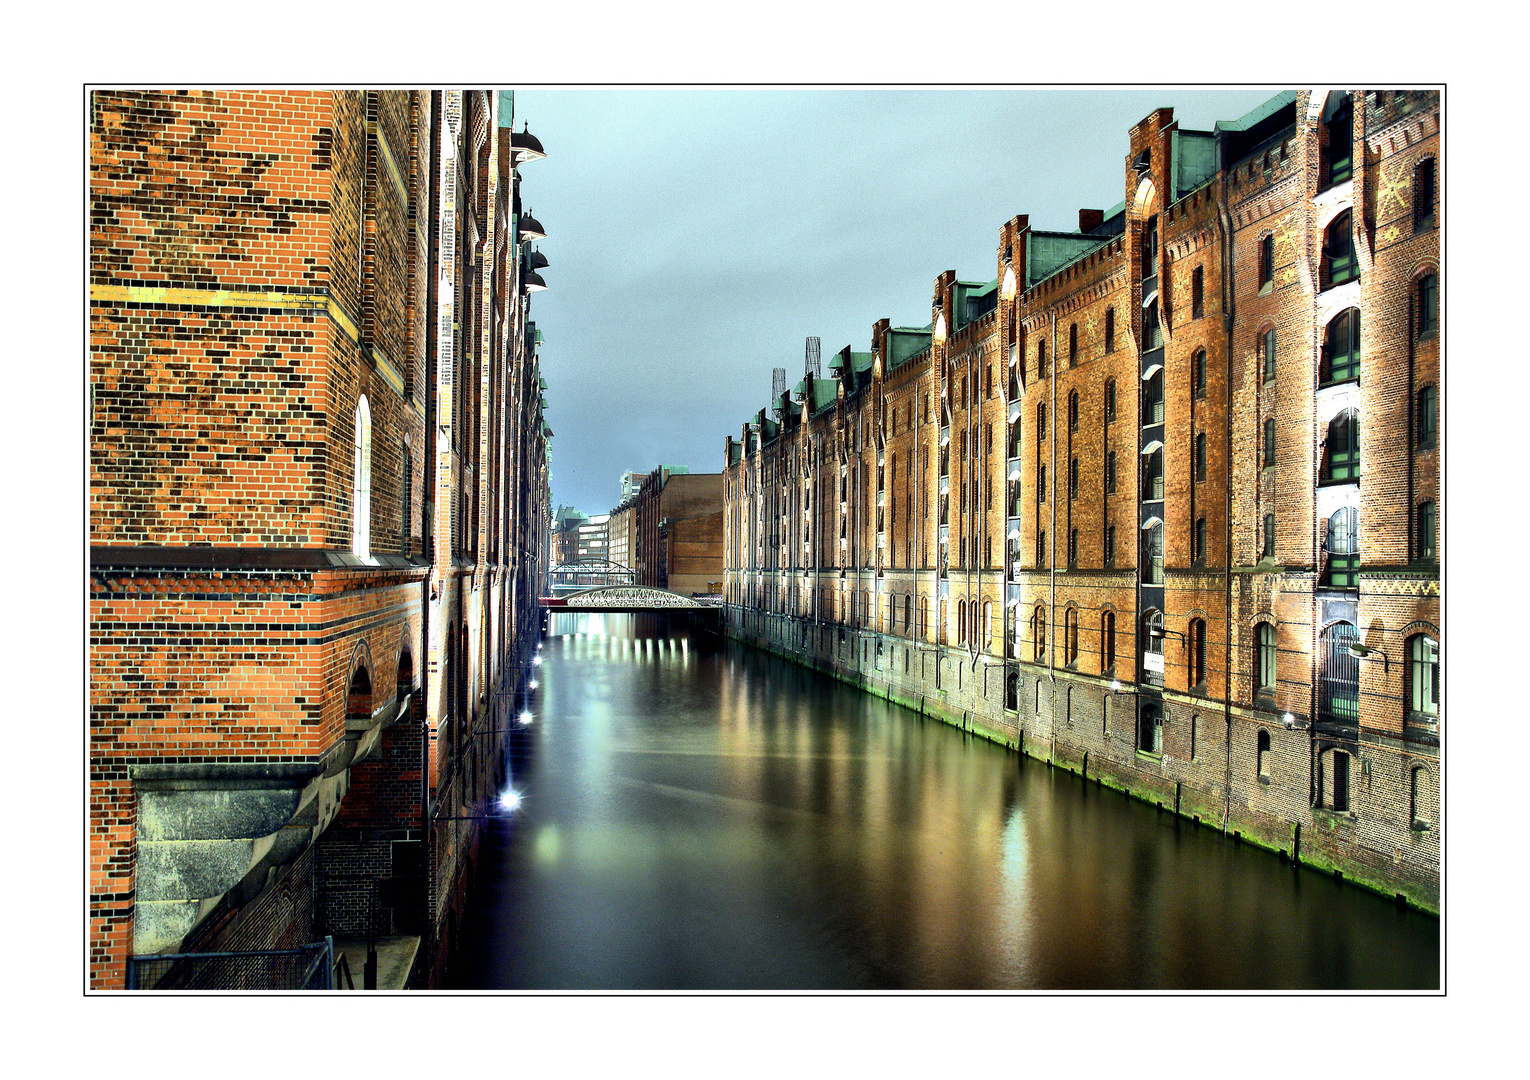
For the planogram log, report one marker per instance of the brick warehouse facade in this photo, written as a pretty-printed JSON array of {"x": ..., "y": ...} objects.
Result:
[
  {"x": 318, "y": 511},
  {"x": 1160, "y": 503}
]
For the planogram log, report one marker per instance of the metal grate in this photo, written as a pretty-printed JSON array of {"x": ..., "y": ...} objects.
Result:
[{"x": 307, "y": 967}]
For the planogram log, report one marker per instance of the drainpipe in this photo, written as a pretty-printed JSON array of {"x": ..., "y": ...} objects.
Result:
[
  {"x": 1052, "y": 539},
  {"x": 428, "y": 510},
  {"x": 1224, "y": 222}
]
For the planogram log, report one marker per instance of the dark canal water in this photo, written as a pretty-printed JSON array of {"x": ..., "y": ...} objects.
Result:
[{"x": 697, "y": 816}]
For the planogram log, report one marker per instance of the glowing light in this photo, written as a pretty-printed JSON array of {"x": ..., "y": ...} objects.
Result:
[
  {"x": 532, "y": 684},
  {"x": 536, "y": 661},
  {"x": 525, "y": 719},
  {"x": 510, "y": 800},
  {"x": 1115, "y": 686}
]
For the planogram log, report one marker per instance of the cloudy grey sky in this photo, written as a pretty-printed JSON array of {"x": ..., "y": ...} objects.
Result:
[{"x": 698, "y": 236}]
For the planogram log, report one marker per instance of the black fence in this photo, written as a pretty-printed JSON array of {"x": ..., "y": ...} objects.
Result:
[{"x": 307, "y": 967}]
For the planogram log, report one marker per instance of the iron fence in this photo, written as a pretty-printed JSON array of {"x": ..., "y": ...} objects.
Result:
[{"x": 307, "y": 967}]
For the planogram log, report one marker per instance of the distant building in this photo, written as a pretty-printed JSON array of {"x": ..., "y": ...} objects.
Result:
[{"x": 677, "y": 539}]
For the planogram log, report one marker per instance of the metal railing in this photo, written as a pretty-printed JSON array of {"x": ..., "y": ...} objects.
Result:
[{"x": 307, "y": 967}]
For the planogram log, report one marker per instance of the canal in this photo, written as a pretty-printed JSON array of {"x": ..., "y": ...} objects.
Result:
[{"x": 698, "y": 815}]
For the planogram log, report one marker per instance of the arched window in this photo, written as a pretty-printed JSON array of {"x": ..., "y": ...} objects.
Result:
[
  {"x": 1200, "y": 456},
  {"x": 1198, "y": 370},
  {"x": 1339, "y": 263},
  {"x": 924, "y": 616},
  {"x": 1107, "y": 642},
  {"x": 1073, "y": 411},
  {"x": 1012, "y": 691},
  {"x": 1421, "y": 798},
  {"x": 961, "y": 622},
  {"x": 1041, "y": 421},
  {"x": 1039, "y": 634},
  {"x": 1267, "y": 352},
  {"x": 987, "y": 642},
  {"x": 1068, "y": 705},
  {"x": 1423, "y": 195},
  {"x": 1343, "y": 546},
  {"x": 1339, "y": 675},
  {"x": 1014, "y": 439},
  {"x": 1428, "y": 417},
  {"x": 1152, "y": 554},
  {"x": 1041, "y": 357},
  {"x": 1073, "y": 478},
  {"x": 1341, "y": 349},
  {"x": 1424, "y": 530},
  {"x": 1341, "y": 450},
  {"x": 1152, "y": 332},
  {"x": 1268, "y": 551},
  {"x": 1152, "y": 476},
  {"x": 361, "y": 482},
  {"x": 1070, "y": 634},
  {"x": 1262, "y": 755},
  {"x": 1150, "y": 728},
  {"x": 1110, "y": 401},
  {"x": 1426, "y": 304},
  {"x": 1197, "y": 648},
  {"x": 1264, "y": 658},
  {"x": 908, "y": 613},
  {"x": 1423, "y": 680},
  {"x": 1152, "y": 399},
  {"x": 1269, "y": 442}
]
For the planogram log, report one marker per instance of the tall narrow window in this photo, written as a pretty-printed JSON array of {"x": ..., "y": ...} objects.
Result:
[
  {"x": 1198, "y": 542},
  {"x": 406, "y": 503},
  {"x": 1269, "y": 442},
  {"x": 1427, "y": 418},
  {"x": 1264, "y": 658},
  {"x": 1153, "y": 555},
  {"x": 1110, "y": 545},
  {"x": 1200, "y": 456},
  {"x": 1197, "y": 647},
  {"x": 1073, "y": 479},
  {"x": 1041, "y": 357},
  {"x": 1198, "y": 373},
  {"x": 1152, "y": 399},
  {"x": 1425, "y": 540},
  {"x": 361, "y": 483},
  {"x": 1343, "y": 548},
  {"x": 1197, "y": 292},
  {"x": 1110, "y": 472},
  {"x": 1070, "y": 629},
  {"x": 1339, "y": 261},
  {"x": 1072, "y": 549},
  {"x": 1341, "y": 349},
  {"x": 1341, "y": 459},
  {"x": 1041, "y": 547},
  {"x": 1266, "y": 264},
  {"x": 1073, "y": 411},
  {"x": 1110, "y": 330},
  {"x": 1262, "y": 755},
  {"x": 1110, "y": 401},
  {"x": 1340, "y": 780},
  {"x": 1073, "y": 345},
  {"x": 1341, "y": 137},
  {"x": 1269, "y": 536},
  {"x": 1423, "y": 195},
  {"x": 1041, "y": 421},
  {"x": 1423, "y": 680},
  {"x": 1427, "y": 303},
  {"x": 1152, "y": 330},
  {"x": 1107, "y": 642},
  {"x": 1041, "y": 483},
  {"x": 1268, "y": 343},
  {"x": 1039, "y": 633},
  {"x": 1152, "y": 476}
]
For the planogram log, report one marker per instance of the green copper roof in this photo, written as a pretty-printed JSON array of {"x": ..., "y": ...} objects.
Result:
[
  {"x": 1261, "y": 112},
  {"x": 825, "y": 393}
]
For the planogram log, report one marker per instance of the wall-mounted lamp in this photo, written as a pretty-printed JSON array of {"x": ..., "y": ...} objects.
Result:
[
  {"x": 1363, "y": 652},
  {"x": 530, "y": 228}
]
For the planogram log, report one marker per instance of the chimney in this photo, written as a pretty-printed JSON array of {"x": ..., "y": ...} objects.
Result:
[{"x": 1089, "y": 220}]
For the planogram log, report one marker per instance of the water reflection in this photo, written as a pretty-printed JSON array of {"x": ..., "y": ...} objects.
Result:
[{"x": 698, "y": 816}]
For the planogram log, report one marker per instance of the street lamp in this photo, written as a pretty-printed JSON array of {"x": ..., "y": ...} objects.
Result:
[{"x": 1363, "y": 652}]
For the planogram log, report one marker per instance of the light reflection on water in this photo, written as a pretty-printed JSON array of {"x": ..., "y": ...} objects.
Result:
[{"x": 716, "y": 818}]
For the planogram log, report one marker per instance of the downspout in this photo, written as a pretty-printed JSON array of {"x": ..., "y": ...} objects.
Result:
[
  {"x": 1052, "y": 539},
  {"x": 428, "y": 511},
  {"x": 1224, "y": 222}
]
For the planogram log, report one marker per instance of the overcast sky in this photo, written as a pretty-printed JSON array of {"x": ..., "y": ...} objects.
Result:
[{"x": 697, "y": 237}]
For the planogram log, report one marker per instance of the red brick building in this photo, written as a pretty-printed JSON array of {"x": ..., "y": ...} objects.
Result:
[
  {"x": 318, "y": 511},
  {"x": 1160, "y": 502}
]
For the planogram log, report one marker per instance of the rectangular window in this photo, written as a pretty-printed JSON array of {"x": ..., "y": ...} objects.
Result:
[
  {"x": 1268, "y": 343},
  {"x": 1200, "y": 456},
  {"x": 1110, "y": 330},
  {"x": 1423, "y": 196},
  {"x": 1110, "y": 472},
  {"x": 1110, "y": 401},
  {"x": 1266, "y": 264},
  {"x": 1199, "y": 554},
  {"x": 1269, "y": 536},
  {"x": 1197, "y": 293},
  {"x": 1428, "y": 304},
  {"x": 1110, "y": 546}
]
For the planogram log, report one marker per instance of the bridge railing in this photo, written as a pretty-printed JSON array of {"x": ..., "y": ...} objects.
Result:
[{"x": 307, "y": 967}]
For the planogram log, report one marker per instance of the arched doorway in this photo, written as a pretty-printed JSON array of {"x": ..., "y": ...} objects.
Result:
[{"x": 1339, "y": 679}]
